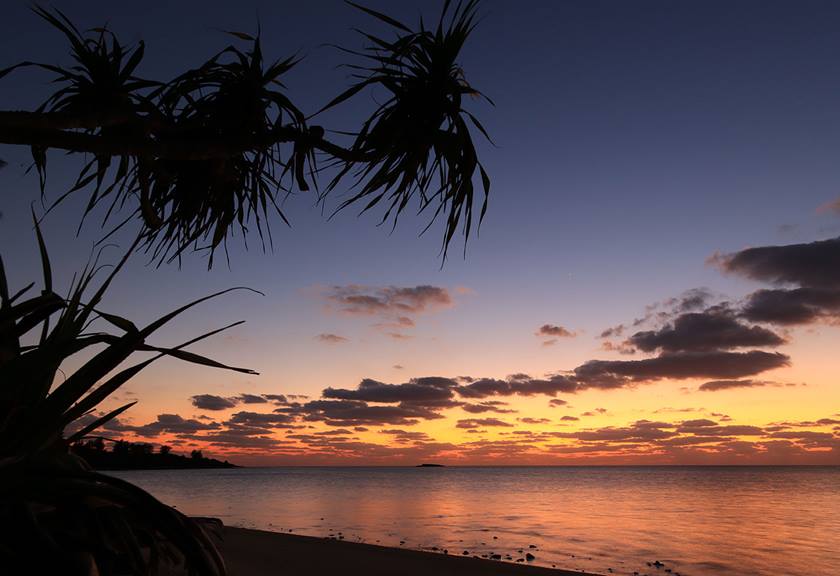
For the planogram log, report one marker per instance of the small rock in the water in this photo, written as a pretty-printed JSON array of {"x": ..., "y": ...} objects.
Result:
[
  {"x": 658, "y": 564},
  {"x": 495, "y": 557},
  {"x": 466, "y": 553},
  {"x": 402, "y": 542},
  {"x": 520, "y": 559},
  {"x": 531, "y": 546},
  {"x": 495, "y": 537},
  {"x": 529, "y": 557}
]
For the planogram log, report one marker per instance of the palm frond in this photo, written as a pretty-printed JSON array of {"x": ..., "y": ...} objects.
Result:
[{"x": 418, "y": 142}]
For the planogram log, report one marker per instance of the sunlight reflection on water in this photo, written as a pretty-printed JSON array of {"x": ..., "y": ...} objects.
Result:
[{"x": 699, "y": 521}]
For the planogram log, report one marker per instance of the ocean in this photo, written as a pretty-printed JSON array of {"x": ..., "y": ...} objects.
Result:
[{"x": 697, "y": 521}]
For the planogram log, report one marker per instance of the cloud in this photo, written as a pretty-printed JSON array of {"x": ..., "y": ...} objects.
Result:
[
  {"x": 468, "y": 423},
  {"x": 807, "y": 276},
  {"x": 715, "y": 328},
  {"x": 677, "y": 366},
  {"x": 529, "y": 420},
  {"x": 404, "y": 436},
  {"x": 832, "y": 207},
  {"x": 359, "y": 413},
  {"x": 328, "y": 338},
  {"x": 815, "y": 264},
  {"x": 641, "y": 430},
  {"x": 555, "y": 331},
  {"x": 431, "y": 391},
  {"x": 519, "y": 384},
  {"x": 489, "y": 406},
  {"x": 704, "y": 428},
  {"x": 613, "y": 331},
  {"x": 792, "y": 306},
  {"x": 165, "y": 423},
  {"x": 612, "y": 374},
  {"x": 212, "y": 402},
  {"x": 390, "y": 300},
  {"x": 715, "y": 385},
  {"x": 252, "y": 399},
  {"x": 554, "y": 402},
  {"x": 399, "y": 336},
  {"x": 261, "y": 419},
  {"x": 570, "y": 418}
]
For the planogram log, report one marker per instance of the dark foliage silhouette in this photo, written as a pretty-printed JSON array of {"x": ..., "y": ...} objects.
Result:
[
  {"x": 57, "y": 515},
  {"x": 192, "y": 160},
  {"x": 139, "y": 457},
  {"x": 209, "y": 152}
]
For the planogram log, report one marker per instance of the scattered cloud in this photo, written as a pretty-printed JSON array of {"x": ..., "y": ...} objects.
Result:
[
  {"x": 489, "y": 406},
  {"x": 212, "y": 402},
  {"x": 431, "y": 391},
  {"x": 812, "y": 268},
  {"x": 479, "y": 422},
  {"x": 555, "y": 331},
  {"x": 359, "y": 413},
  {"x": 715, "y": 385},
  {"x": 832, "y": 207},
  {"x": 328, "y": 338},
  {"x": 715, "y": 328},
  {"x": 529, "y": 420},
  {"x": 388, "y": 301}
]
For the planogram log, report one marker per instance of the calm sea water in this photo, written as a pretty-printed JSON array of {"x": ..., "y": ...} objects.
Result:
[{"x": 699, "y": 521}]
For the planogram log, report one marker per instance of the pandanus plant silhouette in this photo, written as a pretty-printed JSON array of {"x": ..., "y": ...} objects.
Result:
[
  {"x": 191, "y": 161},
  {"x": 56, "y": 514},
  {"x": 209, "y": 152}
]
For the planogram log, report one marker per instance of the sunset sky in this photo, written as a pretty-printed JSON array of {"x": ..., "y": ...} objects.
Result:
[{"x": 657, "y": 279}]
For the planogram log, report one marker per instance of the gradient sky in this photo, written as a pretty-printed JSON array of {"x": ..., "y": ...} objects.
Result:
[{"x": 635, "y": 140}]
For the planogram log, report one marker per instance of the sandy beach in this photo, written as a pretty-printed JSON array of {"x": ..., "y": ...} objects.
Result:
[{"x": 258, "y": 553}]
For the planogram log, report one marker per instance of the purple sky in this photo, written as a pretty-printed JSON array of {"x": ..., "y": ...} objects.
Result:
[{"x": 634, "y": 140}]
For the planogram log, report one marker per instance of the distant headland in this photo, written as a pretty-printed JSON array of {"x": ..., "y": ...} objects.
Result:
[
  {"x": 141, "y": 456},
  {"x": 430, "y": 466}
]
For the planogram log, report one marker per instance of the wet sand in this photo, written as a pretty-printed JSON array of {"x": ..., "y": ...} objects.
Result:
[{"x": 258, "y": 553}]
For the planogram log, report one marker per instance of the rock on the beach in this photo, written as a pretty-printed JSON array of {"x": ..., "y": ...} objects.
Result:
[{"x": 529, "y": 557}]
